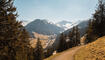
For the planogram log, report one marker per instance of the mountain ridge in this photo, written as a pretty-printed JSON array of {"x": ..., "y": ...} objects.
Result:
[{"x": 43, "y": 27}]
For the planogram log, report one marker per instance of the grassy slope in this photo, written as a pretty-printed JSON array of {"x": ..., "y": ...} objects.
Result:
[
  {"x": 43, "y": 39},
  {"x": 92, "y": 51}
]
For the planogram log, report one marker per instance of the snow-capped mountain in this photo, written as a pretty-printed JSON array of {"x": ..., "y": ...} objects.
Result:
[
  {"x": 66, "y": 24},
  {"x": 83, "y": 25}
]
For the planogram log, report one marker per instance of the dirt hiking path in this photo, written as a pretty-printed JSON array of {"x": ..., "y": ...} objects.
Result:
[{"x": 67, "y": 55}]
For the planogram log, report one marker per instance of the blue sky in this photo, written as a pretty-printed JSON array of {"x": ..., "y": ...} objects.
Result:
[{"x": 55, "y": 10}]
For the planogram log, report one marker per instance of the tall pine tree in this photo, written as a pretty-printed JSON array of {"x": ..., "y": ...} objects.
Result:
[
  {"x": 13, "y": 37},
  {"x": 38, "y": 53},
  {"x": 74, "y": 37},
  {"x": 97, "y": 28},
  {"x": 77, "y": 36},
  {"x": 90, "y": 36},
  {"x": 99, "y": 19},
  {"x": 62, "y": 44}
]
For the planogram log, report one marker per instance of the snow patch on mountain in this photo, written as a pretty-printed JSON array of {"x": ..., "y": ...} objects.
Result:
[{"x": 65, "y": 24}]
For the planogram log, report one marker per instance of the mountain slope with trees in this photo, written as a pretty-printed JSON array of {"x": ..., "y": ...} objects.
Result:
[
  {"x": 95, "y": 49},
  {"x": 43, "y": 27},
  {"x": 82, "y": 27}
]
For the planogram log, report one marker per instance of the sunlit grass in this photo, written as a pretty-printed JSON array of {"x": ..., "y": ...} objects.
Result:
[{"x": 93, "y": 51}]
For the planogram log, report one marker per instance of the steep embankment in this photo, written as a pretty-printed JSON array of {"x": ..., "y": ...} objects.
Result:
[
  {"x": 66, "y": 55},
  {"x": 92, "y": 51}
]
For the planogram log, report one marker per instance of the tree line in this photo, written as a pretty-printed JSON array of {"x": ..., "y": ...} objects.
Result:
[
  {"x": 96, "y": 24},
  {"x": 69, "y": 40},
  {"x": 14, "y": 39},
  {"x": 96, "y": 29}
]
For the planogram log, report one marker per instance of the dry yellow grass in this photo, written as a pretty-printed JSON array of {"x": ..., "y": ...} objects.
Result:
[
  {"x": 41, "y": 36},
  {"x": 43, "y": 39},
  {"x": 34, "y": 41},
  {"x": 92, "y": 51}
]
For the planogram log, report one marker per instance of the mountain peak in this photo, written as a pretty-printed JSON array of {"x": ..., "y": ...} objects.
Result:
[
  {"x": 64, "y": 24},
  {"x": 43, "y": 27},
  {"x": 40, "y": 21}
]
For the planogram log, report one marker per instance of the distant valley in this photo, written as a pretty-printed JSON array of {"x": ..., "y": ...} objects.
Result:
[{"x": 49, "y": 32}]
